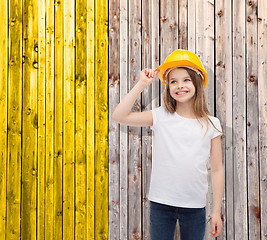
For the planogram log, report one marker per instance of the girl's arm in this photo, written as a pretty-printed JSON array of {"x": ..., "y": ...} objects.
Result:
[
  {"x": 122, "y": 112},
  {"x": 217, "y": 173},
  {"x": 217, "y": 178}
]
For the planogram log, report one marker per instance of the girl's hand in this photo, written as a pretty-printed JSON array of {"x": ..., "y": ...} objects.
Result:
[
  {"x": 216, "y": 221},
  {"x": 147, "y": 76}
]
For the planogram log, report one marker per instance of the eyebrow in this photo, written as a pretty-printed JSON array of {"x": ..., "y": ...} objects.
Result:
[{"x": 184, "y": 78}]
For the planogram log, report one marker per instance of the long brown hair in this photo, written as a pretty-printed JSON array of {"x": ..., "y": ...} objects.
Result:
[{"x": 199, "y": 99}]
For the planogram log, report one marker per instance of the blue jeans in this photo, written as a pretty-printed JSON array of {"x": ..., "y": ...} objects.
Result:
[{"x": 163, "y": 218}]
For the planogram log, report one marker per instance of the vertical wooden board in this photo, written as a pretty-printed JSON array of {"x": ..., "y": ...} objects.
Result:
[
  {"x": 147, "y": 62},
  {"x": 183, "y": 24},
  {"x": 49, "y": 119},
  {"x": 262, "y": 104},
  {"x": 114, "y": 93},
  {"x": 58, "y": 142},
  {"x": 123, "y": 154},
  {"x": 208, "y": 51},
  {"x": 200, "y": 37},
  {"x": 41, "y": 123},
  {"x": 239, "y": 121},
  {"x": 252, "y": 121},
  {"x": 223, "y": 76},
  {"x": 3, "y": 116},
  {"x": 101, "y": 121},
  {"x": 134, "y": 177},
  {"x": 29, "y": 124},
  {"x": 69, "y": 121},
  {"x": 205, "y": 46},
  {"x": 80, "y": 121},
  {"x": 14, "y": 103},
  {"x": 229, "y": 161},
  {"x": 191, "y": 39},
  {"x": 90, "y": 139}
]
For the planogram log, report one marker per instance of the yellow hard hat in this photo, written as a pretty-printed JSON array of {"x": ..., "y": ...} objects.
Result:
[{"x": 182, "y": 58}]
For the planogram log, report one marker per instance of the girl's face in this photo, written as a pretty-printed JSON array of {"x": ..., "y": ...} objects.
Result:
[{"x": 181, "y": 82}]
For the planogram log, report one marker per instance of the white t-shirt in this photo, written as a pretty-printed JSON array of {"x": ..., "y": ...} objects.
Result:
[{"x": 179, "y": 160}]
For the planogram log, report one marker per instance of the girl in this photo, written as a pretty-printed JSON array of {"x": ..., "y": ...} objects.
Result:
[{"x": 186, "y": 135}]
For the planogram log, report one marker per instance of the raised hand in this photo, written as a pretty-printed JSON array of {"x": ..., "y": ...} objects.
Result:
[{"x": 147, "y": 76}]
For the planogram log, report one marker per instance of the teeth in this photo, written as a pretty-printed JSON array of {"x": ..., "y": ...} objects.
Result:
[{"x": 181, "y": 92}]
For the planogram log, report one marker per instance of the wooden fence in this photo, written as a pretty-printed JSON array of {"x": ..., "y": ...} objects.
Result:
[
  {"x": 230, "y": 37},
  {"x": 67, "y": 171}
]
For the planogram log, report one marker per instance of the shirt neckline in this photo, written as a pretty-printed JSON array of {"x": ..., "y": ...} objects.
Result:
[{"x": 184, "y": 117}]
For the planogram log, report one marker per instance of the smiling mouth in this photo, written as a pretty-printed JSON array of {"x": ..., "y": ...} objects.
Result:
[{"x": 181, "y": 93}]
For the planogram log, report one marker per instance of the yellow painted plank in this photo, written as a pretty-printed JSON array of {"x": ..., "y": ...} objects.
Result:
[
  {"x": 101, "y": 120},
  {"x": 14, "y": 120},
  {"x": 90, "y": 121},
  {"x": 29, "y": 124},
  {"x": 58, "y": 152},
  {"x": 41, "y": 123},
  {"x": 49, "y": 116},
  {"x": 80, "y": 133},
  {"x": 69, "y": 124},
  {"x": 3, "y": 115}
]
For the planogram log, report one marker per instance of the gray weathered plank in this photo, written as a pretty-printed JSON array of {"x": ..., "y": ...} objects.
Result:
[
  {"x": 134, "y": 134},
  {"x": 252, "y": 121},
  {"x": 147, "y": 60},
  {"x": 223, "y": 76},
  {"x": 262, "y": 105},
  {"x": 239, "y": 122},
  {"x": 114, "y": 94},
  {"x": 123, "y": 83}
]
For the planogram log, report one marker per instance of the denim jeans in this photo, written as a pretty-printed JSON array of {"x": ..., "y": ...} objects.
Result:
[{"x": 163, "y": 218}]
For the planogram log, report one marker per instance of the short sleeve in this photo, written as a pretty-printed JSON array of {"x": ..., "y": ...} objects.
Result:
[
  {"x": 217, "y": 124},
  {"x": 156, "y": 116}
]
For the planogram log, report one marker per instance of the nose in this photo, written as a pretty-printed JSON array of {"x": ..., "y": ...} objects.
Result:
[{"x": 180, "y": 85}]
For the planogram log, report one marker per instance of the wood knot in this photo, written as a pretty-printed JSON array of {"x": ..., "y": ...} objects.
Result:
[
  {"x": 222, "y": 217},
  {"x": 117, "y": 81},
  {"x": 163, "y": 19},
  {"x": 220, "y": 13},
  {"x": 251, "y": 78},
  {"x": 256, "y": 211}
]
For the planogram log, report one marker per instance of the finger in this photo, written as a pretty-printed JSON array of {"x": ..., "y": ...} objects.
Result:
[
  {"x": 212, "y": 234},
  {"x": 217, "y": 233},
  {"x": 213, "y": 228},
  {"x": 145, "y": 70}
]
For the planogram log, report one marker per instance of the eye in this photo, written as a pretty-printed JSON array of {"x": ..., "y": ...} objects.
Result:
[{"x": 188, "y": 79}]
